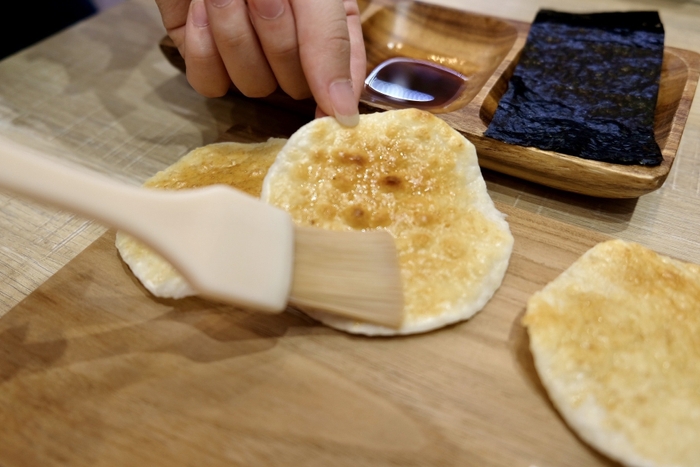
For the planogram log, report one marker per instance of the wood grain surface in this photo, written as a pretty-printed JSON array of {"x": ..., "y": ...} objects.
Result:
[
  {"x": 95, "y": 371},
  {"x": 95, "y": 383},
  {"x": 101, "y": 94}
]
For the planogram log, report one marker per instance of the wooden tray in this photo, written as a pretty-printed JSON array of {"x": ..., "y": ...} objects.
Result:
[{"x": 486, "y": 49}]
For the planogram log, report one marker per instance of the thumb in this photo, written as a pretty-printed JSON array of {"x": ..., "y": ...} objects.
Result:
[{"x": 325, "y": 54}]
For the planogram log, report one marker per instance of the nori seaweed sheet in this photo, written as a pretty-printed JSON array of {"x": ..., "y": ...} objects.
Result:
[{"x": 586, "y": 85}]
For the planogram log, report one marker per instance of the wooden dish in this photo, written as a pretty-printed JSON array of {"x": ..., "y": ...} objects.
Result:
[{"x": 486, "y": 50}]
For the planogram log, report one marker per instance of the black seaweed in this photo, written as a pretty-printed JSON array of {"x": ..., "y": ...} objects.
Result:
[{"x": 586, "y": 85}]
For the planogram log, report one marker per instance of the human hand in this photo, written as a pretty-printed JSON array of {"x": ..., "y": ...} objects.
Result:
[{"x": 307, "y": 47}]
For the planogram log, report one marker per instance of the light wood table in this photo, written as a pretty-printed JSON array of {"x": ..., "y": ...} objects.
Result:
[{"x": 102, "y": 95}]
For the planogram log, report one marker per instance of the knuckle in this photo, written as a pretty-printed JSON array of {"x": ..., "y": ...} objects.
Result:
[
  {"x": 298, "y": 92},
  {"x": 207, "y": 88},
  {"x": 282, "y": 51},
  {"x": 256, "y": 90},
  {"x": 234, "y": 42}
]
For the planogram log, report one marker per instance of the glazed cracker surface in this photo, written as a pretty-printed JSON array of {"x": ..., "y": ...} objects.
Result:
[
  {"x": 410, "y": 173},
  {"x": 616, "y": 342},
  {"x": 405, "y": 171}
]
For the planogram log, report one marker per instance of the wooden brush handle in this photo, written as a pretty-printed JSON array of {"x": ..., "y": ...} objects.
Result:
[{"x": 228, "y": 245}]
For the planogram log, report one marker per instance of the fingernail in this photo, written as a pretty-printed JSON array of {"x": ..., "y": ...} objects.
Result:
[
  {"x": 269, "y": 9},
  {"x": 220, "y": 3},
  {"x": 199, "y": 14},
  {"x": 343, "y": 102}
]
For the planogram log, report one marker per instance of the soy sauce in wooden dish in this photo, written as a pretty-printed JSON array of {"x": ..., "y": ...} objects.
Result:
[{"x": 407, "y": 82}]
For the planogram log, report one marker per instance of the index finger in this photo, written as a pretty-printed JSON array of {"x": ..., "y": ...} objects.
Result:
[{"x": 325, "y": 50}]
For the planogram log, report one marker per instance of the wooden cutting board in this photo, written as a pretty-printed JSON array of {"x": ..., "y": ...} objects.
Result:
[{"x": 95, "y": 372}]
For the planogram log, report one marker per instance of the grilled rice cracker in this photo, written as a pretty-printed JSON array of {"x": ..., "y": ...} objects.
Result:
[
  {"x": 404, "y": 171},
  {"x": 409, "y": 173},
  {"x": 242, "y": 166},
  {"x": 616, "y": 343}
]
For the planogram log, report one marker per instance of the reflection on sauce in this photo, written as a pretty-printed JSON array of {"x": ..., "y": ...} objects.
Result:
[{"x": 406, "y": 82}]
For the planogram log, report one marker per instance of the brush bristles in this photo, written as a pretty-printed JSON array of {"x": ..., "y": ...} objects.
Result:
[{"x": 354, "y": 274}]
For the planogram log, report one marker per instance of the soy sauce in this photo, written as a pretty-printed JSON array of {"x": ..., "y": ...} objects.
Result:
[{"x": 406, "y": 82}]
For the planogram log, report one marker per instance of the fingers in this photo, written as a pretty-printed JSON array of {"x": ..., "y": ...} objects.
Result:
[
  {"x": 308, "y": 47},
  {"x": 174, "y": 15},
  {"x": 239, "y": 47},
  {"x": 273, "y": 21},
  {"x": 325, "y": 50},
  {"x": 358, "y": 56},
  {"x": 206, "y": 72}
]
